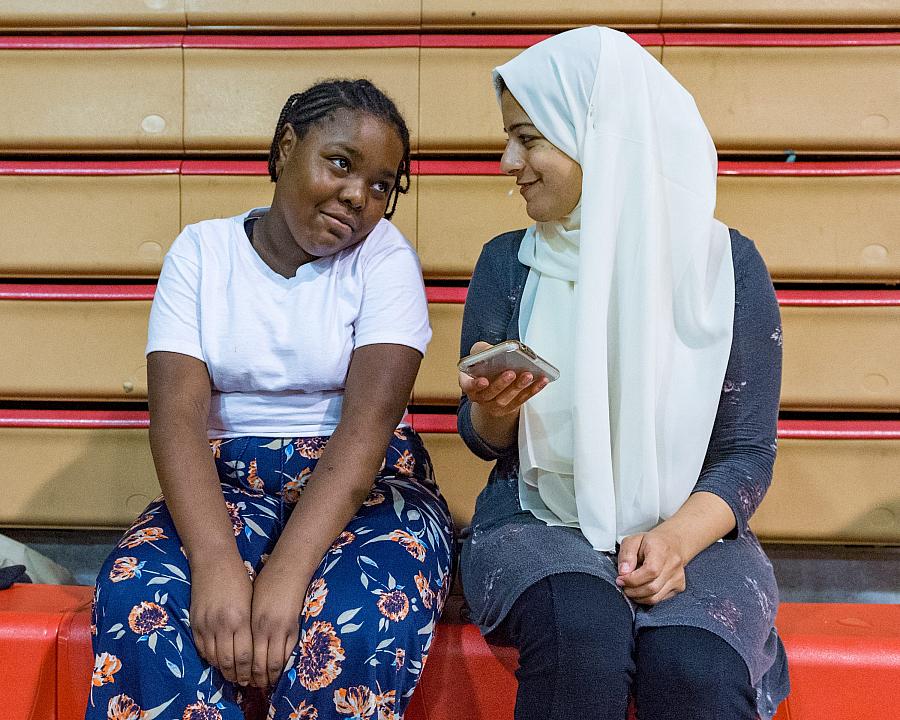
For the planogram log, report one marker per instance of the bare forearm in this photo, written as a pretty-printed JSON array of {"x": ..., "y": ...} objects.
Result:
[
  {"x": 190, "y": 484},
  {"x": 703, "y": 519},
  {"x": 337, "y": 487}
]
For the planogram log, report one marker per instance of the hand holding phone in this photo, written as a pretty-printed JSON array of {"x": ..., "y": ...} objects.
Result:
[
  {"x": 509, "y": 355},
  {"x": 512, "y": 374}
]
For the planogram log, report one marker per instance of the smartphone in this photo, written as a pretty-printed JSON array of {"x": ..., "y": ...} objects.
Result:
[{"x": 508, "y": 355}]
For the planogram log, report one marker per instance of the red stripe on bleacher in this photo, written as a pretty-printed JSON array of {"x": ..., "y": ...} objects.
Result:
[
  {"x": 807, "y": 169},
  {"x": 433, "y": 423},
  {"x": 91, "y": 167},
  {"x": 14, "y": 291},
  {"x": 786, "y": 298},
  {"x": 441, "y": 40},
  {"x": 88, "y": 42},
  {"x": 721, "y": 39},
  {"x": 224, "y": 167}
]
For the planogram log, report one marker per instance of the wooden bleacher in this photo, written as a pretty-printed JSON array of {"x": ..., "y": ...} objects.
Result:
[{"x": 125, "y": 121}]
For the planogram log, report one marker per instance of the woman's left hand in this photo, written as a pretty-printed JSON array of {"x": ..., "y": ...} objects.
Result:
[
  {"x": 651, "y": 566},
  {"x": 278, "y": 597}
]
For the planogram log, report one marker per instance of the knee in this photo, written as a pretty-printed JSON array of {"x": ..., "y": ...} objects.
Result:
[
  {"x": 575, "y": 625},
  {"x": 692, "y": 661}
]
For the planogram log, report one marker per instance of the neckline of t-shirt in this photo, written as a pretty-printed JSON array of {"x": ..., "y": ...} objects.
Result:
[{"x": 261, "y": 267}]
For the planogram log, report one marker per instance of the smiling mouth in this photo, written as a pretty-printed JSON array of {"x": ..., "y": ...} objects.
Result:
[
  {"x": 337, "y": 224},
  {"x": 525, "y": 187}
]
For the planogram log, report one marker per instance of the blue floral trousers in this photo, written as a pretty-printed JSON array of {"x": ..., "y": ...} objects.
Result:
[{"x": 368, "y": 616}]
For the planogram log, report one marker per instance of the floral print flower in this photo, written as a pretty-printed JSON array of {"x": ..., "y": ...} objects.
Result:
[
  {"x": 142, "y": 520},
  {"x": 394, "y": 604},
  {"x": 358, "y": 701},
  {"x": 385, "y": 704},
  {"x": 125, "y": 568},
  {"x": 201, "y": 711},
  {"x": 310, "y": 447},
  {"x": 413, "y": 546},
  {"x": 292, "y": 489},
  {"x": 405, "y": 464},
  {"x": 105, "y": 666},
  {"x": 253, "y": 480},
  {"x": 251, "y": 571},
  {"x": 216, "y": 447},
  {"x": 122, "y": 707},
  {"x": 425, "y": 591},
  {"x": 375, "y": 498},
  {"x": 147, "y": 617},
  {"x": 302, "y": 711},
  {"x": 344, "y": 539},
  {"x": 237, "y": 523},
  {"x": 315, "y": 598},
  {"x": 320, "y": 657},
  {"x": 400, "y": 433},
  {"x": 145, "y": 535},
  {"x": 399, "y": 658}
]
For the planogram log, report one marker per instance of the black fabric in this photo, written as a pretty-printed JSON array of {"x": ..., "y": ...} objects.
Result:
[
  {"x": 13, "y": 574},
  {"x": 578, "y": 659}
]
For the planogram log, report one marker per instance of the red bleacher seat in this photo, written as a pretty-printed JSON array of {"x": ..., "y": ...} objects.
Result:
[{"x": 843, "y": 661}]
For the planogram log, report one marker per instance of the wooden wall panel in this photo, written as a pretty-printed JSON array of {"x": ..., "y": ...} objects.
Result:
[
  {"x": 84, "y": 478},
  {"x": 73, "y": 350},
  {"x": 292, "y": 15},
  {"x": 550, "y": 14},
  {"x": 833, "y": 491},
  {"x": 45, "y": 15},
  {"x": 112, "y": 99},
  {"x": 87, "y": 226},
  {"x": 233, "y": 96},
  {"x": 806, "y": 99},
  {"x": 774, "y": 13},
  {"x": 822, "y": 228}
]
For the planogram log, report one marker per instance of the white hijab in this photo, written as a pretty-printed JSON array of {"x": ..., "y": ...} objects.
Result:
[{"x": 631, "y": 296}]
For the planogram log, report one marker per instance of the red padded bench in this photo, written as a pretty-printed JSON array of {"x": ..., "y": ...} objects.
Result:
[{"x": 844, "y": 660}]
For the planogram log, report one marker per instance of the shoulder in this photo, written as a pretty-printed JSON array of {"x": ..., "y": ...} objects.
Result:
[
  {"x": 505, "y": 246},
  {"x": 201, "y": 238},
  {"x": 749, "y": 267}
]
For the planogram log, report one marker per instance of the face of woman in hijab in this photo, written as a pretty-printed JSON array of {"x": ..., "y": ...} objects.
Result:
[{"x": 548, "y": 179}]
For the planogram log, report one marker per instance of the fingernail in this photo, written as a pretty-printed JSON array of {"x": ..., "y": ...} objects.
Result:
[
  {"x": 620, "y": 582},
  {"x": 624, "y": 568}
]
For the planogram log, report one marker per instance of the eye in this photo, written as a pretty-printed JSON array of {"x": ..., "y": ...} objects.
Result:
[
  {"x": 382, "y": 187},
  {"x": 527, "y": 140},
  {"x": 341, "y": 162}
]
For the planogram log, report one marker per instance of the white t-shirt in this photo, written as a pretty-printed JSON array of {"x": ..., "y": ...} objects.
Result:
[{"x": 278, "y": 348}]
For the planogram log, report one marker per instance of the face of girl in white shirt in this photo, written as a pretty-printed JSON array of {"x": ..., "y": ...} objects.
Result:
[
  {"x": 548, "y": 179},
  {"x": 334, "y": 182}
]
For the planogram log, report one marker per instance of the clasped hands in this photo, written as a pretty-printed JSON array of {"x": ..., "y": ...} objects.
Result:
[{"x": 247, "y": 629}]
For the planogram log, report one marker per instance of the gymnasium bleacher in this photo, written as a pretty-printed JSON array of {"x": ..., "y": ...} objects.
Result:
[{"x": 124, "y": 121}]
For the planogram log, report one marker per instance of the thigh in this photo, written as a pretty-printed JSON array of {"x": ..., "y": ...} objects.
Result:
[
  {"x": 371, "y": 607},
  {"x": 686, "y": 673},
  {"x": 575, "y": 640}
]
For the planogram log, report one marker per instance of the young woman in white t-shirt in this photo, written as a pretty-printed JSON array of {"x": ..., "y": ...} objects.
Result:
[{"x": 300, "y": 544}]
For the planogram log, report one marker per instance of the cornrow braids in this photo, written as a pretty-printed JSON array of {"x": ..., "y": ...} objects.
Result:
[{"x": 310, "y": 107}]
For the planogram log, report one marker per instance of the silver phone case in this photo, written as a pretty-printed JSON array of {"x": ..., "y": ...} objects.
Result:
[{"x": 508, "y": 355}]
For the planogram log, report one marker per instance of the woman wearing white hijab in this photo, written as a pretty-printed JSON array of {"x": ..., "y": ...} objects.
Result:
[{"x": 611, "y": 543}]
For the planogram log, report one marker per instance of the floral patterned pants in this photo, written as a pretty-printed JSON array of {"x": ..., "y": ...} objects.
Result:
[{"x": 368, "y": 617}]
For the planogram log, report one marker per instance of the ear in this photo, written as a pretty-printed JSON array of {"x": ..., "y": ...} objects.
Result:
[{"x": 286, "y": 143}]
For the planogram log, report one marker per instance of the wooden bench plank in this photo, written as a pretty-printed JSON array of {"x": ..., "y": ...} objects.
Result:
[{"x": 97, "y": 94}]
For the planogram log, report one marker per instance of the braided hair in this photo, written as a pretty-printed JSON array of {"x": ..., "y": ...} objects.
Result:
[{"x": 305, "y": 109}]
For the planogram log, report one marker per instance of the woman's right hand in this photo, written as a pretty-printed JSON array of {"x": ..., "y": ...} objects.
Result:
[
  {"x": 221, "y": 596},
  {"x": 505, "y": 394}
]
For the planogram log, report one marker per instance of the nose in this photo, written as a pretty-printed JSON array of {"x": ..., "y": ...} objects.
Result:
[
  {"x": 353, "y": 194},
  {"x": 513, "y": 159}
]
